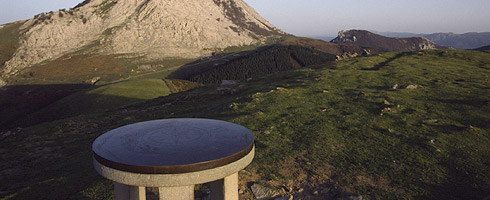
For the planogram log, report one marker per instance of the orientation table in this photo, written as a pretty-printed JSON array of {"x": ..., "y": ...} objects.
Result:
[{"x": 174, "y": 155}]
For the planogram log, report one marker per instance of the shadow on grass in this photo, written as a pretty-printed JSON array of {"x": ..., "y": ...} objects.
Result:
[
  {"x": 17, "y": 102},
  {"x": 64, "y": 174},
  {"x": 28, "y": 105},
  {"x": 458, "y": 186},
  {"x": 386, "y": 62}
]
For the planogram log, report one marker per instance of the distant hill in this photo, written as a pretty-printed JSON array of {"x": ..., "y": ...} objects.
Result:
[
  {"x": 458, "y": 41},
  {"x": 329, "y": 47},
  {"x": 485, "y": 48},
  {"x": 367, "y": 39},
  {"x": 398, "y": 34}
]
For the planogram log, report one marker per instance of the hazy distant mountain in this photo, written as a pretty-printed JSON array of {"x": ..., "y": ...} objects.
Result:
[
  {"x": 460, "y": 41},
  {"x": 457, "y": 41},
  {"x": 367, "y": 39},
  {"x": 144, "y": 29},
  {"x": 398, "y": 34}
]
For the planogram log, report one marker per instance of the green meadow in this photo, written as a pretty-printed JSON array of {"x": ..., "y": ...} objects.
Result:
[{"x": 412, "y": 125}]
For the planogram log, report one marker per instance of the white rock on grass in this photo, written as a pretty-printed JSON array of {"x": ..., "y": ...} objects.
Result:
[{"x": 262, "y": 192}]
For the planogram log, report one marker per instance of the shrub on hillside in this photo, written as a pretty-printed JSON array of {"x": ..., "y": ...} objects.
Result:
[{"x": 266, "y": 61}]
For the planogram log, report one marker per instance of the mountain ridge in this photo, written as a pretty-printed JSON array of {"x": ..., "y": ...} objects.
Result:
[
  {"x": 153, "y": 29},
  {"x": 469, "y": 40},
  {"x": 365, "y": 38}
]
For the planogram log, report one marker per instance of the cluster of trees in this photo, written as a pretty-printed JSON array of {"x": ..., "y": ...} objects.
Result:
[{"x": 266, "y": 61}]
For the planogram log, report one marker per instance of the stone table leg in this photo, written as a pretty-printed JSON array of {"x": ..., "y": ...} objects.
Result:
[
  {"x": 176, "y": 193},
  {"x": 127, "y": 192},
  {"x": 225, "y": 189}
]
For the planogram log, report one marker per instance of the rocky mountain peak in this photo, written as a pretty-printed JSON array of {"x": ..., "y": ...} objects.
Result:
[{"x": 153, "y": 29}]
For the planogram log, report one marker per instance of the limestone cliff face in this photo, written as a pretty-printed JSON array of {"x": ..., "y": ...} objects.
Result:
[{"x": 154, "y": 29}]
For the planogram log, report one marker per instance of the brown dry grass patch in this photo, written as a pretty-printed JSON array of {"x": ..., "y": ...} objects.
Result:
[{"x": 79, "y": 65}]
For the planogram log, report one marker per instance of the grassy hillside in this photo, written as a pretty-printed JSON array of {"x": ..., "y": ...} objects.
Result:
[
  {"x": 107, "y": 97},
  {"x": 82, "y": 68},
  {"x": 9, "y": 39},
  {"x": 341, "y": 129},
  {"x": 384, "y": 44},
  {"x": 18, "y": 102},
  {"x": 327, "y": 47}
]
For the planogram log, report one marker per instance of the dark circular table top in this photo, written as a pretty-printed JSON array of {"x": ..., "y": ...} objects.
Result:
[{"x": 172, "y": 146}]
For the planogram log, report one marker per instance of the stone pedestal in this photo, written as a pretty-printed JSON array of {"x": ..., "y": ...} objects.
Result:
[{"x": 174, "y": 155}]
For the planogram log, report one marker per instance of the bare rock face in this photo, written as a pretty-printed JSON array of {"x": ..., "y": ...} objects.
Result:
[{"x": 154, "y": 29}]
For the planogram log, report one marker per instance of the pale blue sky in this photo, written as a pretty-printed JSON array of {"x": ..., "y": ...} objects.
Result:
[{"x": 327, "y": 17}]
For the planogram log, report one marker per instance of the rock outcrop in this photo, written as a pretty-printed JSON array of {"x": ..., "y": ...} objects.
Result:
[
  {"x": 153, "y": 29},
  {"x": 381, "y": 43}
]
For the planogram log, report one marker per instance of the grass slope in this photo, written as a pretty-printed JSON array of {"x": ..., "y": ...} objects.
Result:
[
  {"x": 79, "y": 68},
  {"x": 9, "y": 39},
  {"x": 339, "y": 129},
  {"x": 109, "y": 97}
]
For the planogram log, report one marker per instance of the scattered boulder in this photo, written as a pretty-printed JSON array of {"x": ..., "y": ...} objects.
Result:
[
  {"x": 433, "y": 148},
  {"x": 326, "y": 109},
  {"x": 412, "y": 87},
  {"x": 266, "y": 132},
  {"x": 387, "y": 103},
  {"x": 346, "y": 56},
  {"x": 431, "y": 121},
  {"x": 408, "y": 87},
  {"x": 262, "y": 192},
  {"x": 354, "y": 197},
  {"x": 385, "y": 110},
  {"x": 94, "y": 80}
]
